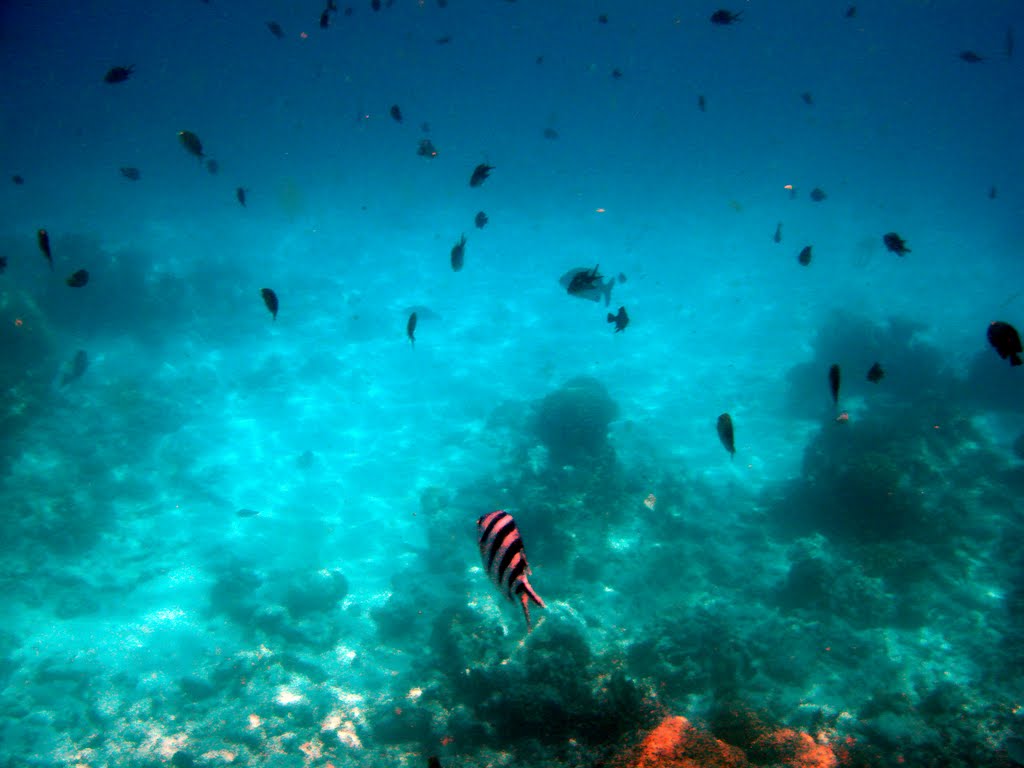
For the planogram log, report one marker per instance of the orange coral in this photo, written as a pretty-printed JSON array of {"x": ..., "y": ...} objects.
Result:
[
  {"x": 796, "y": 749},
  {"x": 675, "y": 743}
]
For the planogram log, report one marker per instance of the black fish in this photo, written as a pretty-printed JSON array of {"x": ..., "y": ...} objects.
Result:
[
  {"x": 79, "y": 279},
  {"x": 1009, "y": 42},
  {"x": 275, "y": 29},
  {"x": 808, "y": 98},
  {"x": 78, "y": 366},
  {"x": 43, "y": 237},
  {"x": 118, "y": 74},
  {"x": 325, "y": 19},
  {"x": 504, "y": 558},
  {"x": 480, "y": 220},
  {"x": 410, "y": 329},
  {"x": 212, "y": 166},
  {"x": 833, "y": 382},
  {"x": 725, "y": 433},
  {"x": 586, "y": 284},
  {"x": 875, "y": 373},
  {"x": 130, "y": 173},
  {"x": 777, "y": 237},
  {"x": 443, "y": 40},
  {"x": 818, "y": 194},
  {"x": 459, "y": 254},
  {"x": 396, "y": 113},
  {"x": 992, "y": 193},
  {"x": 622, "y": 277},
  {"x": 270, "y": 299},
  {"x": 551, "y": 134},
  {"x": 375, "y": 4},
  {"x": 191, "y": 143},
  {"x": 240, "y": 194},
  {"x": 17, "y": 179},
  {"x": 3, "y": 264},
  {"x": 971, "y": 57},
  {"x": 702, "y": 103},
  {"x": 722, "y": 17},
  {"x": 616, "y": 74},
  {"x": 805, "y": 256},
  {"x": 851, "y": 12},
  {"x": 1006, "y": 340},
  {"x": 246, "y": 513},
  {"x": 621, "y": 319},
  {"x": 426, "y": 148},
  {"x": 433, "y": 762},
  {"x": 480, "y": 174},
  {"x": 602, "y": 18},
  {"x": 895, "y": 243}
]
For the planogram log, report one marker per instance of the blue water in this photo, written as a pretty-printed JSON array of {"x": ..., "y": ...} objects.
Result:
[{"x": 839, "y": 593}]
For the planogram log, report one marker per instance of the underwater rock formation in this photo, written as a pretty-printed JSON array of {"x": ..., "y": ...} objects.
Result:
[{"x": 572, "y": 422}]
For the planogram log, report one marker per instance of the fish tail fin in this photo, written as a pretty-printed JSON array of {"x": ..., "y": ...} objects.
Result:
[
  {"x": 1015, "y": 359},
  {"x": 526, "y": 594},
  {"x": 606, "y": 289}
]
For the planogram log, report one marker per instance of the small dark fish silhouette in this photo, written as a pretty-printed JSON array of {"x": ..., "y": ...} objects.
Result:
[
  {"x": 621, "y": 319},
  {"x": 818, "y": 194},
  {"x": 622, "y": 278},
  {"x": 396, "y": 113},
  {"x": 3, "y": 264},
  {"x": 246, "y": 513},
  {"x": 325, "y": 19},
  {"x": 375, "y": 4},
  {"x": 79, "y": 364},
  {"x": 270, "y": 299},
  {"x": 602, "y": 19},
  {"x": 851, "y": 12},
  {"x": 551, "y": 134},
  {"x": 79, "y": 279},
  {"x": 275, "y": 29},
  {"x": 410, "y": 328},
  {"x": 777, "y": 237},
  {"x": 895, "y": 243},
  {"x": 971, "y": 57},
  {"x": 480, "y": 220},
  {"x": 212, "y": 166},
  {"x": 191, "y": 143},
  {"x": 724, "y": 18},
  {"x": 118, "y": 74},
  {"x": 616, "y": 74},
  {"x": 240, "y": 194},
  {"x": 443, "y": 40},
  {"x": 875, "y": 373},
  {"x": 702, "y": 103},
  {"x": 17, "y": 179},
  {"x": 458, "y": 254},
  {"x": 130, "y": 173},
  {"x": 43, "y": 238},
  {"x": 808, "y": 98},
  {"x": 1009, "y": 43},
  {"x": 426, "y": 148},
  {"x": 480, "y": 174},
  {"x": 833, "y": 382},
  {"x": 992, "y": 192},
  {"x": 725, "y": 433},
  {"x": 433, "y": 762},
  {"x": 586, "y": 283},
  {"x": 1006, "y": 340},
  {"x": 805, "y": 256}
]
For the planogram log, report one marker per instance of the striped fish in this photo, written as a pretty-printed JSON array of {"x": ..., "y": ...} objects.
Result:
[{"x": 505, "y": 559}]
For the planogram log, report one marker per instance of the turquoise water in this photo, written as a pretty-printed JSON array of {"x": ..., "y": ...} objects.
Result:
[{"x": 841, "y": 592}]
